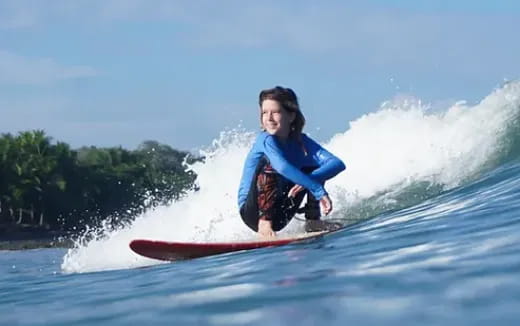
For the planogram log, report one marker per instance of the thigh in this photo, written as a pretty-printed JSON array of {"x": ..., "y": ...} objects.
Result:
[
  {"x": 267, "y": 196},
  {"x": 250, "y": 209}
]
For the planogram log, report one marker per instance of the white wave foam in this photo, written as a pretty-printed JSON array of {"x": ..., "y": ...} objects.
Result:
[
  {"x": 401, "y": 143},
  {"x": 404, "y": 142}
]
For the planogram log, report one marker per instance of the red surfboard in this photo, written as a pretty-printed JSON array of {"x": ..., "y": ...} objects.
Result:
[{"x": 171, "y": 251}]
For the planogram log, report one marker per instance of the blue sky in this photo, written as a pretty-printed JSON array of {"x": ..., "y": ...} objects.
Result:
[{"x": 117, "y": 72}]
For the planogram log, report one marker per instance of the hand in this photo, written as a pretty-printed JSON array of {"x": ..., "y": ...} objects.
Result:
[
  {"x": 326, "y": 205},
  {"x": 295, "y": 190},
  {"x": 265, "y": 229}
]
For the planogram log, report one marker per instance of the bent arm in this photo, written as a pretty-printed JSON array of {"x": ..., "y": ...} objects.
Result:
[
  {"x": 329, "y": 165},
  {"x": 281, "y": 165}
]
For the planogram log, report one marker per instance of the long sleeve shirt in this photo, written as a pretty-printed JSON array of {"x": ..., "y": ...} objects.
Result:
[{"x": 287, "y": 159}]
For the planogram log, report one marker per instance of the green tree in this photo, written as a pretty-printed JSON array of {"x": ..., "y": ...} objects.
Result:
[{"x": 66, "y": 188}]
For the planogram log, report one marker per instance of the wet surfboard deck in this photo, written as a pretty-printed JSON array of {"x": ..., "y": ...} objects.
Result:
[{"x": 172, "y": 251}]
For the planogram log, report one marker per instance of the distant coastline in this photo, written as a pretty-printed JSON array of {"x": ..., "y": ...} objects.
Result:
[
  {"x": 32, "y": 237},
  {"x": 47, "y": 187}
]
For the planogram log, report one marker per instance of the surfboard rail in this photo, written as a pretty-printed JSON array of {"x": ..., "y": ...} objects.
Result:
[{"x": 172, "y": 251}]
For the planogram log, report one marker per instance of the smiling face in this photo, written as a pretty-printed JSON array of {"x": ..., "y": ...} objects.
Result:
[{"x": 275, "y": 119}]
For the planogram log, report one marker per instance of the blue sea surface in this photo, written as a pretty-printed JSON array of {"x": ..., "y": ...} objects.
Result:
[{"x": 453, "y": 259}]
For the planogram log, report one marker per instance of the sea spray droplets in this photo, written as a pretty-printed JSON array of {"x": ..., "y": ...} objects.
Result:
[
  {"x": 208, "y": 214},
  {"x": 405, "y": 150},
  {"x": 395, "y": 157}
]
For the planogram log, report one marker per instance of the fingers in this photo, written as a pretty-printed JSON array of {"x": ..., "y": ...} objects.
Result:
[
  {"x": 326, "y": 205},
  {"x": 295, "y": 190}
]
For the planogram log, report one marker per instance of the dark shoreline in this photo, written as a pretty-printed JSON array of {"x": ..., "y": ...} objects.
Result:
[
  {"x": 34, "y": 244},
  {"x": 33, "y": 238}
]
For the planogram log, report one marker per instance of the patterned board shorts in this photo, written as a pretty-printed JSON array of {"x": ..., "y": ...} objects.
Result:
[{"x": 267, "y": 199}]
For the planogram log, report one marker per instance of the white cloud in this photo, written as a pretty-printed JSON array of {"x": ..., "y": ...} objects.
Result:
[
  {"x": 15, "y": 69},
  {"x": 15, "y": 14},
  {"x": 369, "y": 32},
  {"x": 347, "y": 39},
  {"x": 350, "y": 34}
]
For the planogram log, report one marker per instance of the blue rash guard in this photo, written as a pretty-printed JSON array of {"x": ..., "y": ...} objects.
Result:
[{"x": 288, "y": 159}]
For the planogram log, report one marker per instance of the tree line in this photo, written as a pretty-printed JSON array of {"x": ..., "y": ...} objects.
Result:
[{"x": 46, "y": 184}]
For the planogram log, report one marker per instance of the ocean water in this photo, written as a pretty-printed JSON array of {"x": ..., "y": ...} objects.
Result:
[{"x": 431, "y": 198}]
